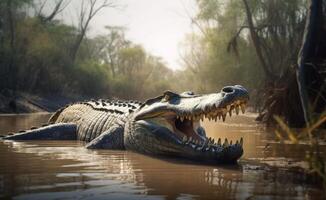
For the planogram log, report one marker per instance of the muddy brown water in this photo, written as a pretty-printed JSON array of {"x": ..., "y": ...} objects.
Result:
[{"x": 66, "y": 170}]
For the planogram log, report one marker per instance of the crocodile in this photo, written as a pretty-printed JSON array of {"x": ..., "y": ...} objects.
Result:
[{"x": 167, "y": 125}]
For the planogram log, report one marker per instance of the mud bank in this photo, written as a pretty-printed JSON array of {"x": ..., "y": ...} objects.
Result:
[{"x": 21, "y": 102}]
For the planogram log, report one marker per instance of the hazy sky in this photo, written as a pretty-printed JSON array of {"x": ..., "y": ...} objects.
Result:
[{"x": 158, "y": 25}]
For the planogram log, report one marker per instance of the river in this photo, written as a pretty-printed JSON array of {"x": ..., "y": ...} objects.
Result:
[{"x": 66, "y": 170}]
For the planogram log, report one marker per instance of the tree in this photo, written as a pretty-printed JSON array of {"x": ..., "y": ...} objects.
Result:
[
  {"x": 264, "y": 37},
  {"x": 59, "y": 6},
  {"x": 88, "y": 11},
  {"x": 312, "y": 61},
  {"x": 8, "y": 14},
  {"x": 108, "y": 47}
]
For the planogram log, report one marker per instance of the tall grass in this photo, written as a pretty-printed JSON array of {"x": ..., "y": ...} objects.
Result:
[{"x": 313, "y": 133}]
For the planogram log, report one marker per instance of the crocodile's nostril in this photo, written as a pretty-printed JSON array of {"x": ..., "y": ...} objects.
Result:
[{"x": 228, "y": 89}]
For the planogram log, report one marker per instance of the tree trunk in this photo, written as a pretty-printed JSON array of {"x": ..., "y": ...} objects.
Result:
[
  {"x": 255, "y": 39},
  {"x": 76, "y": 45},
  {"x": 11, "y": 65},
  {"x": 312, "y": 62}
]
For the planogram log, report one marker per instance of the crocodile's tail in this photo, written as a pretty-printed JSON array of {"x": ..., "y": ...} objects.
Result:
[{"x": 59, "y": 131}]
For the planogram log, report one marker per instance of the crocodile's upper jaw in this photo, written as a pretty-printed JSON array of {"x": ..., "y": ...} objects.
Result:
[
  {"x": 172, "y": 122},
  {"x": 188, "y": 128}
]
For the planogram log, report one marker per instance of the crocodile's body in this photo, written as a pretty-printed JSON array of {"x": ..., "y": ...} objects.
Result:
[
  {"x": 166, "y": 125},
  {"x": 94, "y": 117}
]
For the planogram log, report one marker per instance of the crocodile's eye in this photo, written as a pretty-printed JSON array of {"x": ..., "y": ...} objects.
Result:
[
  {"x": 168, "y": 95},
  {"x": 166, "y": 98}
]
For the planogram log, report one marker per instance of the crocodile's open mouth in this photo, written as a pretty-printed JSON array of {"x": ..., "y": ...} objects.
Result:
[{"x": 188, "y": 128}]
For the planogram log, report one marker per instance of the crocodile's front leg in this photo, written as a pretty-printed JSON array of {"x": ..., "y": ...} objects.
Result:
[
  {"x": 59, "y": 131},
  {"x": 110, "y": 139}
]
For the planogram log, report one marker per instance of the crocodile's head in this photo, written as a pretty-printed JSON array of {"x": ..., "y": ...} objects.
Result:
[{"x": 170, "y": 125}]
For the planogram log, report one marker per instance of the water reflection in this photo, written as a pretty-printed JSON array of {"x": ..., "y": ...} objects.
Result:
[
  {"x": 66, "y": 170},
  {"x": 40, "y": 169},
  {"x": 14, "y": 123},
  {"x": 52, "y": 168}
]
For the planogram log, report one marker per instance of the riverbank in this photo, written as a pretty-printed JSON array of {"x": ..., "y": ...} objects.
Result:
[{"x": 22, "y": 102}]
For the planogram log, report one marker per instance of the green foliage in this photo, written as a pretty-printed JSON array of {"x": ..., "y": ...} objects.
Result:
[
  {"x": 91, "y": 78},
  {"x": 36, "y": 57},
  {"x": 223, "y": 52}
]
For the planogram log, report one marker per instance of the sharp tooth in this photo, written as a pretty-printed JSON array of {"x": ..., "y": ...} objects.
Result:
[
  {"x": 231, "y": 142},
  {"x": 228, "y": 107},
  {"x": 215, "y": 118},
  {"x": 230, "y": 112},
  {"x": 237, "y": 109},
  {"x": 219, "y": 116},
  {"x": 224, "y": 111},
  {"x": 181, "y": 118},
  {"x": 226, "y": 143},
  {"x": 184, "y": 139},
  {"x": 224, "y": 116},
  {"x": 213, "y": 141},
  {"x": 237, "y": 142},
  {"x": 241, "y": 141},
  {"x": 243, "y": 108},
  {"x": 219, "y": 141}
]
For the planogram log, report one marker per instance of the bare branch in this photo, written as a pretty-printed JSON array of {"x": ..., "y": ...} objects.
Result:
[
  {"x": 60, "y": 5},
  {"x": 39, "y": 12},
  {"x": 85, "y": 17}
]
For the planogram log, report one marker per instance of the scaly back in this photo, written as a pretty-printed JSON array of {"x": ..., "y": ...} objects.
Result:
[{"x": 94, "y": 117}]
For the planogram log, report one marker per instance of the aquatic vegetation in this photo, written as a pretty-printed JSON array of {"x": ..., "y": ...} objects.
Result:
[{"x": 313, "y": 133}]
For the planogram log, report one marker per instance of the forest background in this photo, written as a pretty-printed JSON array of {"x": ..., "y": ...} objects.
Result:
[{"x": 42, "y": 55}]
